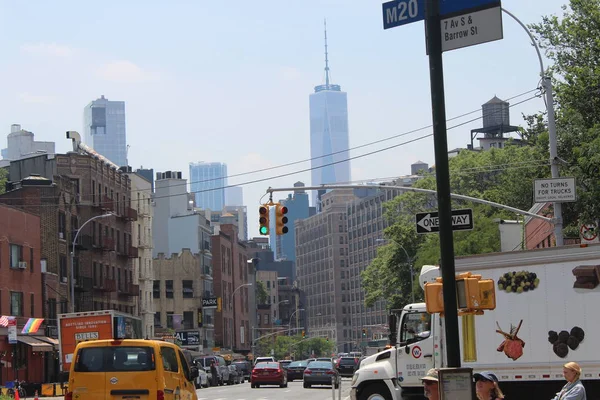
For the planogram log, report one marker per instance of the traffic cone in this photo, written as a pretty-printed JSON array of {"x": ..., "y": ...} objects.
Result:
[
  {"x": 35, "y": 396},
  {"x": 17, "y": 394}
]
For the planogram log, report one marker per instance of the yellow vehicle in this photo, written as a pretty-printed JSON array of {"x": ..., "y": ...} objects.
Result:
[{"x": 130, "y": 369}]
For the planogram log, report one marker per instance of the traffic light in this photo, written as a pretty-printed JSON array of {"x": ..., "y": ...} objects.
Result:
[
  {"x": 434, "y": 301},
  {"x": 263, "y": 219},
  {"x": 473, "y": 294},
  {"x": 364, "y": 332},
  {"x": 303, "y": 334},
  {"x": 327, "y": 338},
  {"x": 281, "y": 219}
]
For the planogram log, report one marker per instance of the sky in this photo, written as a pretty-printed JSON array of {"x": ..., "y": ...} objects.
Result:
[{"x": 229, "y": 81}]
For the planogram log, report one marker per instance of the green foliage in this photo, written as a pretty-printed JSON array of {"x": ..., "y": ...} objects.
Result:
[
  {"x": 261, "y": 292},
  {"x": 571, "y": 42},
  {"x": 287, "y": 346},
  {"x": 3, "y": 178},
  {"x": 503, "y": 176}
]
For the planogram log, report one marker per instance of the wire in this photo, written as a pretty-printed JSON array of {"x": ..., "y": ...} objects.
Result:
[
  {"x": 356, "y": 147},
  {"x": 306, "y": 169}
]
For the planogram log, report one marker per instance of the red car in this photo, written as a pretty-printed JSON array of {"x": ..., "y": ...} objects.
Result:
[{"x": 268, "y": 373}]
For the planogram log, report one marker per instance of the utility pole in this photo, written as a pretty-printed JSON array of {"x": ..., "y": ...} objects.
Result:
[{"x": 433, "y": 33}]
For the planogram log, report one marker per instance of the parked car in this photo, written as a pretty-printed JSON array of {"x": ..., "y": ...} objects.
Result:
[
  {"x": 245, "y": 369},
  {"x": 202, "y": 379},
  {"x": 222, "y": 370},
  {"x": 321, "y": 373},
  {"x": 346, "y": 366},
  {"x": 268, "y": 373},
  {"x": 296, "y": 370},
  {"x": 235, "y": 376}
]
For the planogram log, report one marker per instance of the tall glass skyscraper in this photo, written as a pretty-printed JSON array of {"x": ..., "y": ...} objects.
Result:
[
  {"x": 104, "y": 129},
  {"x": 207, "y": 181},
  {"x": 328, "y": 133}
]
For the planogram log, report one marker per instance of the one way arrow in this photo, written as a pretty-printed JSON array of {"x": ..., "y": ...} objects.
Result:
[{"x": 422, "y": 224}]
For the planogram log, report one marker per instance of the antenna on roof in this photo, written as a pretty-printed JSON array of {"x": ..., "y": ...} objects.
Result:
[{"x": 326, "y": 59}]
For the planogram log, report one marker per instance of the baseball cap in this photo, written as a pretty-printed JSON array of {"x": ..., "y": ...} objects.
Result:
[
  {"x": 432, "y": 375},
  {"x": 485, "y": 375}
]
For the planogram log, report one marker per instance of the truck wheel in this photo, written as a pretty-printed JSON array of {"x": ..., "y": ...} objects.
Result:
[{"x": 374, "y": 392}]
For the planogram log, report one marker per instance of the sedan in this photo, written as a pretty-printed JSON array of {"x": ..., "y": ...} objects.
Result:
[
  {"x": 321, "y": 373},
  {"x": 346, "y": 366},
  {"x": 296, "y": 370},
  {"x": 268, "y": 373}
]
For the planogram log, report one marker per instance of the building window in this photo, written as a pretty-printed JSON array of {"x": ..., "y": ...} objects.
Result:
[
  {"x": 170, "y": 319},
  {"x": 157, "y": 318},
  {"x": 188, "y": 289},
  {"x": 62, "y": 225},
  {"x": 169, "y": 289},
  {"x": 156, "y": 290},
  {"x": 188, "y": 320},
  {"x": 32, "y": 304},
  {"x": 51, "y": 312},
  {"x": 16, "y": 304},
  {"x": 266, "y": 319},
  {"x": 62, "y": 260},
  {"x": 16, "y": 255}
]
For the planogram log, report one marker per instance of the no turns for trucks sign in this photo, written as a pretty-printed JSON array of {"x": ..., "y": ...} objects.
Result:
[{"x": 554, "y": 190}]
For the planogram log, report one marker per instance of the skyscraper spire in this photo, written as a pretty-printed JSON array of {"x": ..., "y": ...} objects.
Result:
[{"x": 326, "y": 60}]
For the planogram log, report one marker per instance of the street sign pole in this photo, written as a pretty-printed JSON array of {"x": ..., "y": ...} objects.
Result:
[{"x": 440, "y": 141}]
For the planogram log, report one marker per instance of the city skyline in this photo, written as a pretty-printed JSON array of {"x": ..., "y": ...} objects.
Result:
[{"x": 247, "y": 86}]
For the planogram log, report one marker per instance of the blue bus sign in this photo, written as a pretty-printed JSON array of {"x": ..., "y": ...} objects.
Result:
[{"x": 402, "y": 12}]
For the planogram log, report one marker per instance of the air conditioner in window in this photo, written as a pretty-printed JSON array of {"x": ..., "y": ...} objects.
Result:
[
  {"x": 64, "y": 279},
  {"x": 22, "y": 264},
  {"x": 61, "y": 235}
]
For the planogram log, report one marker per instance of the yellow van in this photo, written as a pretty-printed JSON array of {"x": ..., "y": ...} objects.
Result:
[{"x": 130, "y": 369}]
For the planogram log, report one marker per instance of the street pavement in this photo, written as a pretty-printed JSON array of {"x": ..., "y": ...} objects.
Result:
[{"x": 242, "y": 391}]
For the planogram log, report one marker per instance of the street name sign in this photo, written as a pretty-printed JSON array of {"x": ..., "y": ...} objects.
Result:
[
  {"x": 472, "y": 28},
  {"x": 430, "y": 222},
  {"x": 560, "y": 190}
]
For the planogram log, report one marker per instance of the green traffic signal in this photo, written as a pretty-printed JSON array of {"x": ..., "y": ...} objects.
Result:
[{"x": 264, "y": 230}]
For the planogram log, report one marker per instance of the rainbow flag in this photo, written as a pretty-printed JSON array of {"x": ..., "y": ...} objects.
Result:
[{"x": 32, "y": 325}]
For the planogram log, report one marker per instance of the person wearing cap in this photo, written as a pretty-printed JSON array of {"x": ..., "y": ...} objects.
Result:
[
  {"x": 486, "y": 386},
  {"x": 431, "y": 384},
  {"x": 574, "y": 389}
]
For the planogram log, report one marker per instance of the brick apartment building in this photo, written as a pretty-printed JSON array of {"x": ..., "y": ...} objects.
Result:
[
  {"x": 230, "y": 275},
  {"x": 104, "y": 249},
  {"x": 20, "y": 296}
]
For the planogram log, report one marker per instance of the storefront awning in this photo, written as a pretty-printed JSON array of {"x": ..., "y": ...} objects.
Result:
[
  {"x": 36, "y": 345},
  {"x": 47, "y": 339}
]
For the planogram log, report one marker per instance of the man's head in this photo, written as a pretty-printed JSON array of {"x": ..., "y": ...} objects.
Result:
[{"x": 430, "y": 384}]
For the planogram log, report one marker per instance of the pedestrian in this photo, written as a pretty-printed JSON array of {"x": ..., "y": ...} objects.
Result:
[
  {"x": 213, "y": 373},
  {"x": 431, "y": 384},
  {"x": 574, "y": 389},
  {"x": 486, "y": 386}
]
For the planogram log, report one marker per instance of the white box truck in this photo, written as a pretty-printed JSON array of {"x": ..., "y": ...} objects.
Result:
[{"x": 551, "y": 294}]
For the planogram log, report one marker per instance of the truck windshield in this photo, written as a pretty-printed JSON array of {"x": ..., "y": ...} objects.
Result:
[{"x": 415, "y": 326}]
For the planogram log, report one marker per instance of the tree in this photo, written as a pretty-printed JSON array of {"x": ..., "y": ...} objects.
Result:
[
  {"x": 261, "y": 292},
  {"x": 571, "y": 42},
  {"x": 503, "y": 176},
  {"x": 3, "y": 178}
]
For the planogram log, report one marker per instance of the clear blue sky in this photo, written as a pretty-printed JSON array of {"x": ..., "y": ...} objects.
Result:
[{"x": 229, "y": 80}]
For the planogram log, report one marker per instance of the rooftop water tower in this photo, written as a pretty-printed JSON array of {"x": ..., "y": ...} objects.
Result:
[{"x": 496, "y": 122}]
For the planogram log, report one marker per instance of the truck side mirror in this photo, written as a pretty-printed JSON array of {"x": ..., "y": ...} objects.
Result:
[{"x": 392, "y": 324}]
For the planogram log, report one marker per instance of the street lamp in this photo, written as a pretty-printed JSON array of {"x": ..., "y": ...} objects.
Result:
[
  {"x": 410, "y": 264},
  {"x": 233, "y": 304},
  {"x": 73, "y": 256},
  {"x": 291, "y": 316}
]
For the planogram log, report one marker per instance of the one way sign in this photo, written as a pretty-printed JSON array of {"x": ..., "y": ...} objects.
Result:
[{"x": 429, "y": 222}]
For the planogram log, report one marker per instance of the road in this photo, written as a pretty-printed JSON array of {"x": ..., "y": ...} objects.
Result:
[
  {"x": 242, "y": 391},
  {"x": 294, "y": 391}
]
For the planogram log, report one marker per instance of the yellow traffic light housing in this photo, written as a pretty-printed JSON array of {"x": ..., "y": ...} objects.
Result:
[
  {"x": 434, "y": 300},
  {"x": 303, "y": 334},
  {"x": 280, "y": 219},
  {"x": 263, "y": 220},
  {"x": 487, "y": 294}
]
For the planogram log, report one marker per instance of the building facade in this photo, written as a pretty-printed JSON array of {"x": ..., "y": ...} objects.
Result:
[
  {"x": 322, "y": 266},
  {"x": 232, "y": 282},
  {"x": 104, "y": 249},
  {"x": 104, "y": 129},
  {"x": 141, "y": 236},
  {"x": 329, "y": 137},
  {"x": 21, "y": 144},
  {"x": 21, "y": 295},
  {"x": 178, "y": 289},
  {"x": 207, "y": 183}
]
